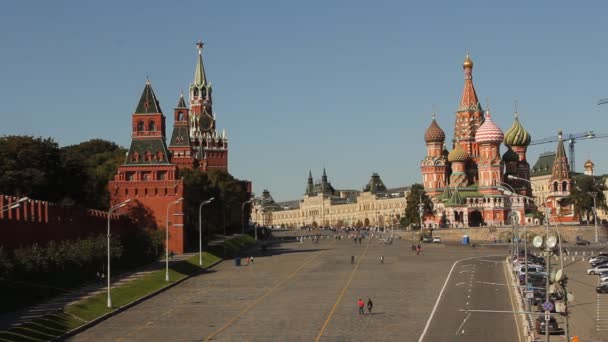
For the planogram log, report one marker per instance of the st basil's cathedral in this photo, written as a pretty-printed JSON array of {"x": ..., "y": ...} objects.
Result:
[{"x": 465, "y": 183}]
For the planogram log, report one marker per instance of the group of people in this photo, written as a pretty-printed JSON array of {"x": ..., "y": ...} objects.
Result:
[
  {"x": 361, "y": 306},
  {"x": 417, "y": 248}
]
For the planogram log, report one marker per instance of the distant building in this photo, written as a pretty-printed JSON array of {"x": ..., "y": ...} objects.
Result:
[{"x": 322, "y": 205}]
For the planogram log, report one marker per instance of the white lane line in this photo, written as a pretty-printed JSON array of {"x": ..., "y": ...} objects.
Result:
[
  {"x": 447, "y": 279},
  {"x": 460, "y": 283},
  {"x": 462, "y": 324}
]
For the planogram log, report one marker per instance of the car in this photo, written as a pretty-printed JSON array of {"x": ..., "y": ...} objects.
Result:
[
  {"x": 581, "y": 242},
  {"x": 554, "y": 328},
  {"x": 597, "y": 270},
  {"x": 598, "y": 258},
  {"x": 436, "y": 239},
  {"x": 599, "y": 263},
  {"x": 426, "y": 239},
  {"x": 602, "y": 288}
]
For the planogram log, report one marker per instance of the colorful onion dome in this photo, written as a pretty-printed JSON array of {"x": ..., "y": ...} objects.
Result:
[
  {"x": 458, "y": 154},
  {"x": 488, "y": 132},
  {"x": 510, "y": 156},
  {"x": 517, "y": 135},
  {"x": 434, "y": 133},
  {"x": 468, "y": 63}
]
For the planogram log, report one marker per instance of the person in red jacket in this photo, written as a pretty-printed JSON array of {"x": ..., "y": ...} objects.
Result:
[{"x": 361, "y": 305}]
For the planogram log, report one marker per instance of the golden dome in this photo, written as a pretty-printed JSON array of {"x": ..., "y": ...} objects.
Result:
[
  {"x": 458, "y": 154},
  {"x": 589, "y": 164},
  {"x": 468, "y": 63}
]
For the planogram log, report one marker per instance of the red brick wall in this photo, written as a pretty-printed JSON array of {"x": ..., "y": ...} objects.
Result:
[{"x": 40, "y": 222}]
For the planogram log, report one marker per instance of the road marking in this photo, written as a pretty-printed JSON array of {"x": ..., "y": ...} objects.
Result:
[
  {"x": 259, "y": 299},
  {"x": 447, "y": 279},
  {"x": 333, "y": 309},
  {"x": 460, "y": 283},
  {"x": 519, "y": 332},
  {"x": 462, "y": 324}
]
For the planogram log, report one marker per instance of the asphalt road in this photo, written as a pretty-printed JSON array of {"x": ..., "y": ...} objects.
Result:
[
  {"x": 475, "y": 284},
  {"x": 308, "y": 292}
]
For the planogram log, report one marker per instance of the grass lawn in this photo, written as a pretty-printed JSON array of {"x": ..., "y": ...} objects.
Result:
[{"x": 53, "y": 325}]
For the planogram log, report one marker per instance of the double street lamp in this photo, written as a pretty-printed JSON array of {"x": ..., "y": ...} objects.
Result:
[
  {"x": 167, "y": 238},
  {"x": 117, "y": 206},
  {"x": 200, "y": 231}
]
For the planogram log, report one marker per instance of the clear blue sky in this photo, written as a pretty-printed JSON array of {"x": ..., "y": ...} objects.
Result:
[{"x": 302, "y": 84}]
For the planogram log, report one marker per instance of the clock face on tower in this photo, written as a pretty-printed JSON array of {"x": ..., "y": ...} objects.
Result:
[{"x": 205, "y": 122}]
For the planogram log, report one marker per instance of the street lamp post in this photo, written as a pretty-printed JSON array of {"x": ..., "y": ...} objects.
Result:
[
  {"x": 118, "y": 206},
  {"x": 167, "y": 238},
  {"x": 200, "y": 231},
  {"x": 594, "y": 194}
]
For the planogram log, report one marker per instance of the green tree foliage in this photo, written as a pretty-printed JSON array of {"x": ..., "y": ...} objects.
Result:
[
  {"x": 72, "y": 175},
  {"x": 581, "y": 197},
  {"x": 412, "y": 215},
  {"x": 31, "y": 167},
  {"x": 96, "y": 161},
  {"x": 225, "y": 210}
]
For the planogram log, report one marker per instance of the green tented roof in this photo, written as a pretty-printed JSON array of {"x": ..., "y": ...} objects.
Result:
[
  {"x": 156, "y": 147},
  {"x": 180, "y": 136},
  {"x": 148, "y": 104}
]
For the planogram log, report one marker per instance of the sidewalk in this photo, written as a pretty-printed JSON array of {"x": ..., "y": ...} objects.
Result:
[{"x": 57, "y": 303}]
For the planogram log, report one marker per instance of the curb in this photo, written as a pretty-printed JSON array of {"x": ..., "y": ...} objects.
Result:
[{"x": 120, "y": 309}]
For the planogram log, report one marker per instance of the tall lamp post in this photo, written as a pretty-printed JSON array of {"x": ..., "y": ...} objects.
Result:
[
  {"x": 594, "y": 194},
  {"x": 118, "y": 206},
  {"x": 167, "y": 238},
  {"x": 200, "y": 231}
]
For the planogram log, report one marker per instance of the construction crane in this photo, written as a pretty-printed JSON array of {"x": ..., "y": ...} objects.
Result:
[{"x": 571, "y": 139}]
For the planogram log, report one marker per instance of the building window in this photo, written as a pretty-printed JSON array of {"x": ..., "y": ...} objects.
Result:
[
  {"x": 140, "y": 126},
  {"x": 135, "y": 157},
  {"x": 145, "y": 176},
  {"x": 180, "y": 116},
  {"x": 162, "y": 175},
  {"x": 565, "y": 186},
  {"x": 130, "y": 176},
  {"x": 555, "y": 186},
  {"x": 152, "y": 126}
]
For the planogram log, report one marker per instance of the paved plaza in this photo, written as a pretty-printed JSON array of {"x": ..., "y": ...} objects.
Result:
[{"x": 308, "y": 292}]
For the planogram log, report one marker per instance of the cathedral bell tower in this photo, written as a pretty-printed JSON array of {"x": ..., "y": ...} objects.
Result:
[{"x": 434, "y": 168}]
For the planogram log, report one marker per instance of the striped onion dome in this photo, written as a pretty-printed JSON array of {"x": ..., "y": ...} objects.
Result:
[
  {"x": 517, "y": 135},
  {"x": 458, "y": 154},
  {"x": 434, "y": 133},
  {"x": 488, "y": 132}
]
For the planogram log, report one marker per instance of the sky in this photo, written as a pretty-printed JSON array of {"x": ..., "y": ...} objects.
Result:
[{"x": 302, "y": 85}]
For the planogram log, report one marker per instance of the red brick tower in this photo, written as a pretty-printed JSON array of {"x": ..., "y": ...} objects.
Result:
[
  {"x": 147, "y": 176},
  {"x": 560, "y": 185},
  {"x": 182, "y": 154},
  {"x": 468, "y": 119},
  {"x": 434, "y": 165},
  {"x": 490, "y": 166},
  {"x": 211, "y": 149}
]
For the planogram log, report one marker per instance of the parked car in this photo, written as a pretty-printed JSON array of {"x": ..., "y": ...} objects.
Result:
[
  {"x": 597, "y": 270},
  {"x": 426, "y": 239},
  {"x": 598, "y": 258},
  {"x": 602, "y": 288},
  {"x": 436, "y": 239},
  {"x": 582, "y": 242},
  {"x": 554, "y": 328},
  {"x": 599, "y": 263}
]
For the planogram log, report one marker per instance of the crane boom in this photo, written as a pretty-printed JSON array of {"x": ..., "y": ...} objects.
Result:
[{"x": 571, "y": 139}]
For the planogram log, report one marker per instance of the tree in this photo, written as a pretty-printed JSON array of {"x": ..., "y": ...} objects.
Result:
[
  {"x": 31, "y": 167},
  {"x": 581, "y": 195},
  {"x": 416, "y": 196}
]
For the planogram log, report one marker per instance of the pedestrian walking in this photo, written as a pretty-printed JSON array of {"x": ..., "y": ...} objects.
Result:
[
  {"x": 251, "y": 259},
  {"x": 382, "y": 259},
  {"x": 98, "y": 278},
  {"x": 352, "y": 259},
  {"x": 370, "y": 305},
  {"x": 418, "y": 249},
  {"x": 361, "y": 306}
]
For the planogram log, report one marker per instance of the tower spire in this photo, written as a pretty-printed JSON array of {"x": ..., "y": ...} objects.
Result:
[
  {"x": 200, "y": 79},
  {"x": 469, "y": 100}
]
